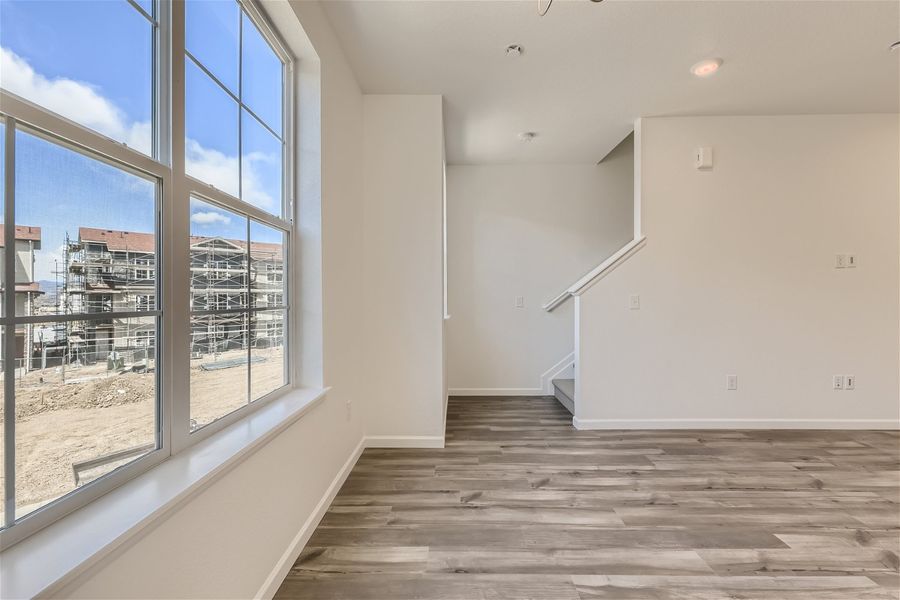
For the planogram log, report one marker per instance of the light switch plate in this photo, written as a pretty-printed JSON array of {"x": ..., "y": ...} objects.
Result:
[
  {"x": 634, "y": 302},
  {"x": 849, "y": 382},
  {"x": 520, "y": 301},
  {"x": 837, "y": 382},
  {"x": 731, "y": 382}
]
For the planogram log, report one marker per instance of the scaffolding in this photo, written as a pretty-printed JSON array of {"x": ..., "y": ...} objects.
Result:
[
  {"x": 227, "y": 276},
  {"x": 107, "y": 271}
]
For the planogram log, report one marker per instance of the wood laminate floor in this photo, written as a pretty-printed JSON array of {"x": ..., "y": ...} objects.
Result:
[{"x": 521, "y": 505}]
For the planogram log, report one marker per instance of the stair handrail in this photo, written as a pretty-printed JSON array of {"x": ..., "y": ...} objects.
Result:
[{"x": 598, "y": 272}]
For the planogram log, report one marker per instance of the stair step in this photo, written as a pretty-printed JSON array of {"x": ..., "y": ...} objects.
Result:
[{"x": 564, "y": 390}]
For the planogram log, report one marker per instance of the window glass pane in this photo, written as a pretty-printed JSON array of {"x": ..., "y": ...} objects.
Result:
[
  {"x": 267, "y": 356},
  {"x": 266, "y": 266},
  {"x": 261, "y": 179},
  {"x": 90, "y": 61},
  {"x": 219, "y": 274},
  {"x": 211, "y": 35},
  {"x": 219, "y": 342},
  {"x": 85, "y": 237},
  {"x": 261, "y": 76},
  {"x": 85, "y": 404},
  {"x": 211, "y": 130},
  {"x": 219, "y": 377},
  {"x": 267, "y": 331}
]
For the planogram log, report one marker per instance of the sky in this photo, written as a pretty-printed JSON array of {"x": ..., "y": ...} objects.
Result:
[{"x": 91, "y": 61}]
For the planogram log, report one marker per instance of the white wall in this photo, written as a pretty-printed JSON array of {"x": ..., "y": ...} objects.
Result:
[
  {"x": 403, "y": 256},
  {"x": 531, "y": 231},
  {"x": 226, "y": 541},
  {"x": 738, "y": 277}
]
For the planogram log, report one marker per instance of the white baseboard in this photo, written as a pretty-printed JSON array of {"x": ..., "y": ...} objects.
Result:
[
  {"x": 588, "y": 424},
  {"x": 496, "y": 392},
  {"x": 287, "y": 560},
  {"x": 404, "y": 441},
  {"x": 565, "y": 366}
]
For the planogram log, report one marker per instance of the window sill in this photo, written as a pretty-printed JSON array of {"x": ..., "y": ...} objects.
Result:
[{"x": 53, "y": 556}]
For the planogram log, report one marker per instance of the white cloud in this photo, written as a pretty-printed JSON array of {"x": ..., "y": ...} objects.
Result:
[
  {"x": 72, "y": 99},
  {"x": 82, "y": 103},
  {"x": 221, "y": 170},
  {"x": 212, "y": 167},
  {"x": 254, "y": 192},
  {"x": 209, "y": 218}
]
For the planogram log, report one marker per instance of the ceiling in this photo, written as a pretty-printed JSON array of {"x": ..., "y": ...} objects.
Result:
[{"x": 588, "y": 70}]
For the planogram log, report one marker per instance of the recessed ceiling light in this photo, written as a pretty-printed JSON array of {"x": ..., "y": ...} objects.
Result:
[
  {"x": 527, "y": 136},
  {"x": 514, "y": 50},
  {"x": 707, "y": 67}
]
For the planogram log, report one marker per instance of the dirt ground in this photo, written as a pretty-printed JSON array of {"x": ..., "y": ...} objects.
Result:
[{"x": 82, "y": 414}]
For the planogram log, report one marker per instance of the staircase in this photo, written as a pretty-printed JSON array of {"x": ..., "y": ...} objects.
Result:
[
  {"x": 564, "y": 390},
  {"x": 563, "y": 386}
]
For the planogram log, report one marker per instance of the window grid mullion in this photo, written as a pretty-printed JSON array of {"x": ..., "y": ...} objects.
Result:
[
  {"x": 213, "y": 195},
  {"x": 9, "y": 330},
  {"x": 63, "y": 317},
  {"x": 61, "y": 131},
  {"x": 240, "y": 117},
  {"x": 261, "y": 122},
  {"x": 209, "y": 74},
  {"x": 142, "y": 12},
  {"x": 247, "y": 314},
  {"x": 178, "y": 321},
  {"x": 235, "y": 97}
]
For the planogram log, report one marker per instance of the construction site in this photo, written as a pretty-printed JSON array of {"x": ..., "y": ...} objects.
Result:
[{"x": 86, "y": 385}]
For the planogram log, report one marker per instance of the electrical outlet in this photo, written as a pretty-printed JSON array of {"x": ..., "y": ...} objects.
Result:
[
  {"x": 634, "y": 302},
  {"x": 845, "y": 261},
  {"x": 837, "y": 382},
  {"x": 849, "y": 382},
  {"x": 731, "y": 382}
]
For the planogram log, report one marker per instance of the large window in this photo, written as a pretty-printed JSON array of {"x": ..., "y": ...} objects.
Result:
[
  {"x": 95, "y": 125},
  {"x": 234, "y": 81}
]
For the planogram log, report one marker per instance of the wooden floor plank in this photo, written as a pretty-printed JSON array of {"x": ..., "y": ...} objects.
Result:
[{"x": 521, "y": 505}]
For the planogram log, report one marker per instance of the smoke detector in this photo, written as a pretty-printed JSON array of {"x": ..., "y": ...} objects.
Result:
[
  {"x": 514, "y": 50},
  {"x": 527, "y": 136}
]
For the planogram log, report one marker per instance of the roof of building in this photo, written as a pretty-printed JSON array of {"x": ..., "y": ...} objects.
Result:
[
  {"x": 119, "y": 241},
  {"x": 132, "y": 241},
  {"x": 23, "y": 232},
  {"x": 32, "y": 286}
]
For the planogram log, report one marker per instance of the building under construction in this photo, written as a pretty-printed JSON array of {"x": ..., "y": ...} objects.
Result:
[{"x": 108, "y": 271}]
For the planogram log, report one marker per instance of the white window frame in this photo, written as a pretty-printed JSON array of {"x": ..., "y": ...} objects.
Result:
[{"x": 175, "y": 187}]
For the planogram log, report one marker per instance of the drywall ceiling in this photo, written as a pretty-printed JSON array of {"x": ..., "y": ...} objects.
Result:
[{"x": 588, "y": 70}]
